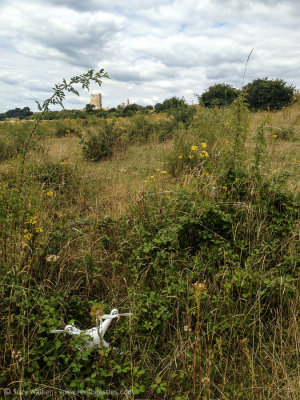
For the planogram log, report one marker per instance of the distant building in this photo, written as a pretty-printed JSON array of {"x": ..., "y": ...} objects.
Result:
[{"x": 96, "y": 100}]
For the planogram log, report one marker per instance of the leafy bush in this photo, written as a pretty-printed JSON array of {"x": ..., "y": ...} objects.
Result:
[
  {"x": 272, "y": 94},
  {"x": 99, "y": 143},
  {"x": 183, "y": 115},
  {"x": 131, "y": 109},
  {"x": 173, "y": 102},
  {"x": 17, "y": 113},
  {"x": 220, "y": 95}
]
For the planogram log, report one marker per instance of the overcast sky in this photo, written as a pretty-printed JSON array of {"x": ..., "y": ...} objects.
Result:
[{"x": 151, "y": 49}]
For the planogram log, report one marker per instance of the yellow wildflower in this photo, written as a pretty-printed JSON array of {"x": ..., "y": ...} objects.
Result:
[
  {"x": 275, "y": 136},
  {"x": 163, "y": 172},
  {"x": 28, "y": 236},
  {"x": 194, "y": 148},
  {"x": 180, "y": 157},
  {"x": 204, "y": 145},
  {"x": 205, "y": 153},
  {"x": 50, "y": 193},
  {"x": 191, "y": 157},
  {"x": 39, "y": 230},
  {"x": 25, "y": 230},
  {"x": 158, "y": 170},
  {"x": 207, "y": 174},
  {"x": 31, "y": 220},
  {"x": 146, "y": 181},
  {"x": 152, "y": 177}
]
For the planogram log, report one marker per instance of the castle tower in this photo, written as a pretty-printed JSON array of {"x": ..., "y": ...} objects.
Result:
[{"x": 96, "y": 100}]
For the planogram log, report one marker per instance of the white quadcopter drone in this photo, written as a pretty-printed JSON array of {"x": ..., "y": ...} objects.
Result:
[{"x": 94, "y": 337}]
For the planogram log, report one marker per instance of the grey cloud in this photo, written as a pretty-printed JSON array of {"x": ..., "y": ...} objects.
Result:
[
  {"x": 152, "y": 49},
  {"x": 69, "y": 36},
  {"x": 96, "y": 5}
]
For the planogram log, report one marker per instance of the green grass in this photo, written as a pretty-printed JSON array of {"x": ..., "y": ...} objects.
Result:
[{"x": 129, "y": 236}]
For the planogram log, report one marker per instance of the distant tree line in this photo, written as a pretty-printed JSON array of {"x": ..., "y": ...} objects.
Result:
[
  {"x": 260, "y": 94},
  {"x": 20, "y": 113},
  {"x": 119, "y": 111}
]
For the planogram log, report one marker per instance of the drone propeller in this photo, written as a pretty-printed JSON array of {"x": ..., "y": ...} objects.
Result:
[{"x": 112, "y": 316}]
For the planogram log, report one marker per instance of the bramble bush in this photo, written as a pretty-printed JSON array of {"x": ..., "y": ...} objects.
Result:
[
  {"x": 169, "y": 104},
  {"x": 220, "y": 95},
  {"x": 100, "y": 141},
  {"x": 268, "y": 94}
]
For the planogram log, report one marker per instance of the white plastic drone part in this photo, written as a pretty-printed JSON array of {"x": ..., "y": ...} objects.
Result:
[{"x": 94, "y": 337}]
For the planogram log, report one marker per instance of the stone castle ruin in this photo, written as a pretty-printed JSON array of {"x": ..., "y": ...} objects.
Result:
[{"x": 96, "y": 100}]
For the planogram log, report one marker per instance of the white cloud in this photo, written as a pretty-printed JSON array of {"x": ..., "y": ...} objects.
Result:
[{"x": 152, "y": 49}]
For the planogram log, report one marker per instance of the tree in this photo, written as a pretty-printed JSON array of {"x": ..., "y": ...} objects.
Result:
[
  {"x": 172, "y": 103},
  {"x": 90, "y": 108},
  {"x": 272, "y": 94},
  {"x": 131, "y": 109},
  {"x": 18, "y": 113},
  {"x": 219, "y": 95}
]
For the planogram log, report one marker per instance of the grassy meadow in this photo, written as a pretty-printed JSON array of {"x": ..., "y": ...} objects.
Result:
[{"x": 193, "y": 226}]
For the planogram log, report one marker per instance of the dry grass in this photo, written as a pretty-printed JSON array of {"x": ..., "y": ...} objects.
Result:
[{"x": 113, "y": 184}]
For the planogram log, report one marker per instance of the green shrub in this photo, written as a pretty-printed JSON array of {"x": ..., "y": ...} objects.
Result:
[
  {"x": 100, "y": 142},
  {"x": 268, "y": 94},
  {"x": 183, "y": 115},
  {"x": 140, "y": 128},
  {"x": 173, "y": 102},
  {"x": 131, "y": 109},
  {"x": 220, "y": 95}
]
